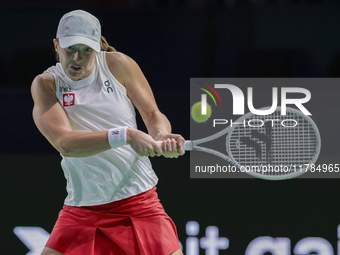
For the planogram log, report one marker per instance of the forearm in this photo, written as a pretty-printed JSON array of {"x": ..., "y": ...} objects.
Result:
[
  {"x": 158, "y": 125},
  {"x": 159, "y": 128},
  {"x": 82, "y": 143}
]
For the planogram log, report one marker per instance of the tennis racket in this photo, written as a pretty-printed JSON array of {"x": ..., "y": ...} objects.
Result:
[{"x": 273, "y": 150}]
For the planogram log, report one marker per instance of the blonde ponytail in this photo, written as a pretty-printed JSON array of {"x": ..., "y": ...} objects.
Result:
[{"x": 104, "y": 45}]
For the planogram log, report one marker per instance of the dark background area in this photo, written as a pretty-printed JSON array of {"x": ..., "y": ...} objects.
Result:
[{"x": 173, "y": 41}]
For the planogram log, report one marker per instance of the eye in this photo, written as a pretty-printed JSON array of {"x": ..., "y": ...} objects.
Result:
[{"x": 88, "y": 49}]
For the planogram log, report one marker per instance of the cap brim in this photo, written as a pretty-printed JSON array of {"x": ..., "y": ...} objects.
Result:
[{"x": 68, "y": 41}]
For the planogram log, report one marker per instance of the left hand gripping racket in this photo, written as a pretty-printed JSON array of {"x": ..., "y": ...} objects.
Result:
[{"x": 272, "y": 147}]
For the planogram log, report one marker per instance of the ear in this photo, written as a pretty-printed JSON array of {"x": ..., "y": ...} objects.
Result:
[{"x": 56, "y": 45}]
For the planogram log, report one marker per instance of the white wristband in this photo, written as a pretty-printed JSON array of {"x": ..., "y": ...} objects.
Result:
[{"x": 117, "y": 137}]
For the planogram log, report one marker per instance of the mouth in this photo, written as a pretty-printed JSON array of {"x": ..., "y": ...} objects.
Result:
[{"x": 75, "y": 68}]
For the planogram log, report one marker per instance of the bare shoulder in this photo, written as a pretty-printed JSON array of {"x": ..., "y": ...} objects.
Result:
[
  {"x": 118, "y": 59},
  {"x": 43, "y": 84},
  {"x": 122, "y": 66}
]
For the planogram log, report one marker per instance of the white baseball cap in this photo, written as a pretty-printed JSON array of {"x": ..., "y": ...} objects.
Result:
[{"x": 79, "y": 27}]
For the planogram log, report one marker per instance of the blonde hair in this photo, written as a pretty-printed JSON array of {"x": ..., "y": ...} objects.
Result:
[{"x": 104, "y": 46}]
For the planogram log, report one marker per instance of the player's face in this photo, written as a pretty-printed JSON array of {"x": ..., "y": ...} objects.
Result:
[{"x": 78, "y": 61}]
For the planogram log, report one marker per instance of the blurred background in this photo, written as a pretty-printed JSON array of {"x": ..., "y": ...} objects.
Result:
[{"x": 173, "y": 41}]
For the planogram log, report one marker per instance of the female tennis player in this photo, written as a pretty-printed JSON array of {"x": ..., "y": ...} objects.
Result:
[{"x": 84, "y": 106}]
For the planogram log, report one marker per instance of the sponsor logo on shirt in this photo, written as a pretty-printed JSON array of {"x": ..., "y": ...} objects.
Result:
[
  {"x": 108, "y": 86},
  {"x": 65, "y": 88}
]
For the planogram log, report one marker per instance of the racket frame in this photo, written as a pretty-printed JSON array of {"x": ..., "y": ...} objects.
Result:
[{"x": 193, "y": 145}]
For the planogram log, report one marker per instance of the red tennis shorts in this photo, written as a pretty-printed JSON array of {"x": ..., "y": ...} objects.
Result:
[{"x": 135, "y": 225}]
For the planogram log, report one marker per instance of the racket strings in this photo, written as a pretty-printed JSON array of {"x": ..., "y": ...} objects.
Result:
[{"x": 289, "y": 142}]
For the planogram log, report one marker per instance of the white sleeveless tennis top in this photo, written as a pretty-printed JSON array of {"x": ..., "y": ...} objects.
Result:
[{"x": 100, "y": 102}]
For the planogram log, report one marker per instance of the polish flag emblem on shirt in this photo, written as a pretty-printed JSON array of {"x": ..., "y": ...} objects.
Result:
[{"x": 68, "y": 99}]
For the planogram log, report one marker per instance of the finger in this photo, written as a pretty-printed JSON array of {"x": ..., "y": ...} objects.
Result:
[
  {"x": 158, "y": 149},
  {"x": 169, "y": 146},
  {"x": 141, "y": 153},
  {"x": 173, "y": 145},
  {"x": 151, "y": 153},
  {"x": 172, "y": 148},
  {"x": 181, "y": 151},
  {"x": 165, "y": 147},
  {"x": 157, "y": 153},
  {"x": 180, "y": 140},
  {"x": 146, "y": 154}
]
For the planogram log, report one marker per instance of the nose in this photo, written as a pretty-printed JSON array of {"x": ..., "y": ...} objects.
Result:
[{"x": 76, "y": 56}]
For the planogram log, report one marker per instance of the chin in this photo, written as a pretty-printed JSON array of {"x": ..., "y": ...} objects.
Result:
[{"x": 75, "y": 77}]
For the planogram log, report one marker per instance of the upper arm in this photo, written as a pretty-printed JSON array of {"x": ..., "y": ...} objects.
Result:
[
  {"x": 129, "y": 74},
  {"x": 48, "y": 115}
]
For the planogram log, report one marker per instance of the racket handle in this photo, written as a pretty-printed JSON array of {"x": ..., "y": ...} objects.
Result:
[{"x": 187, "y": 146}]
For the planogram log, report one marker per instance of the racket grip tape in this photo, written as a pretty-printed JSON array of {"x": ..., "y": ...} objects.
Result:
[{"x": 187, "y": 146}]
